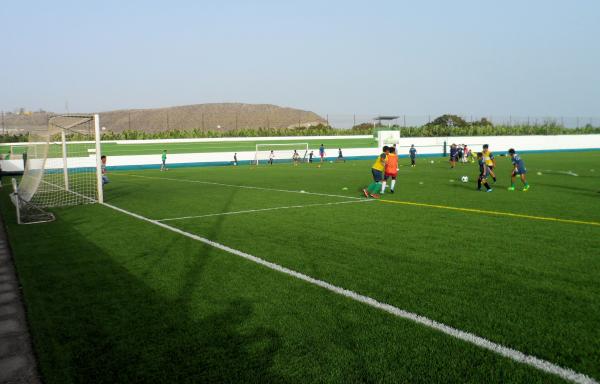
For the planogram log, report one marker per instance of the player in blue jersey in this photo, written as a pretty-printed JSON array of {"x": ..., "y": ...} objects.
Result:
[
  {"x": 322, "y": 152},
  {"x": 453, "y": 155},
  {"x": 518, "y": 169},
  {"x": 412, "y": 152},
  {"x": 484, "y": 173}
]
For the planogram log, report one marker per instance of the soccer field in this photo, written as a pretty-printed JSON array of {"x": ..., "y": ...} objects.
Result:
[
  {"x": 114, "y": 149},
  {"x": 286, "y": 274}
]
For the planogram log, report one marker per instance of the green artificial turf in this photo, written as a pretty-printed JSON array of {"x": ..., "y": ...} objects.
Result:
[
  {"x": 113, "y": 149},
  {"x": 114, "y": 299}
]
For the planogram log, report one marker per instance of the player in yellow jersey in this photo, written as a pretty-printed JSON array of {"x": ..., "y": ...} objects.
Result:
[
  {"x": 488, "y": 157},
  {"x": 377, "y": 171},
  {"x": 391, "y": 170}
]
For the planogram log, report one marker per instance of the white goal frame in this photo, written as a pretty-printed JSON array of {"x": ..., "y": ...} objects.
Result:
[
  {"x": 280, "y": 152},
  {"x": 41, "y": 170}
]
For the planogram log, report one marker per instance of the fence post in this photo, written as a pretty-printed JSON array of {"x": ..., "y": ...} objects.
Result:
[{"x": 445, "y": 143}]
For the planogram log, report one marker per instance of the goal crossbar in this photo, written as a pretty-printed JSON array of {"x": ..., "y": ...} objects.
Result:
[{"x": 281, "y": 152}]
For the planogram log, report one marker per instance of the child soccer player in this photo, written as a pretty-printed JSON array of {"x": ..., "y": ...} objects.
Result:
[
  {"x": 322, "y": 152},
  {"x": 459, "y": 153},
  {"x": 391, "y": 170},
  {"x": 412, "y": 152},
  {"x": 103, "y": 168},
  {"x": 310, "y": 157},
  {"x": 271, "y": 157},
  {"x": 295, "y": 158},
  {"x": 377, "y": 172},
  {"x": 519, "y": 169},
  {"x": 484, "y": 173},
  {"x": 163, "y": 167},
  {"x": 488, "y": 156},
  {"x": 235, "y": 158},
  {"x": 340, "y": 156},
  {"x": 453, "y": 155}
]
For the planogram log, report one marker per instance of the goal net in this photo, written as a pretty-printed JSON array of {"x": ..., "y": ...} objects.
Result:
[
  {"x": 62, "y": 167},
  {"x": 388, "y": 138},
  {"x": 280, "y": 152}
]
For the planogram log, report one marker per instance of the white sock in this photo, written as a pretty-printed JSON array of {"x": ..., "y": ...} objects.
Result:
[
  {"x": 393, "y": 184},
  {"x": 383, "y": 187}
]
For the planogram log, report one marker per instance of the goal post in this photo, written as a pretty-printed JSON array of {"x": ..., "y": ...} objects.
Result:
[
  {"x": 63, "y": 167},
  {"x": 281, "y": 152}
]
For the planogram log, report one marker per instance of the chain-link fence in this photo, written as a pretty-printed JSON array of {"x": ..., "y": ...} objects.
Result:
[
  {"x": 240, "y": 119},
  {"x": 402, "y": 120}
]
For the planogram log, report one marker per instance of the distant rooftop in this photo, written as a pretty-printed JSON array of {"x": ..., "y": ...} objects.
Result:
[{"x": 386, "y": 118}]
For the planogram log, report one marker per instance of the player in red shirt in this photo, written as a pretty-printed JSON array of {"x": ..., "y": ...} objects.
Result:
[{"x": 391, "y": 170}]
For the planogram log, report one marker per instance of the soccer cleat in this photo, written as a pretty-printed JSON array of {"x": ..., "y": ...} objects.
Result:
[
  {"x": 526, "y": 188},
  {"x": 375, "y": 196},
  {"x": 489, "y": 190},
  {"x": 391, "y": 190},
  {"x": 366, "y": 193},
  {"x": 511, "y": 188}
]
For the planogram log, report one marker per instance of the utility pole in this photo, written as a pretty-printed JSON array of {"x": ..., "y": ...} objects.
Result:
[
  {"x": 129, "y": 124},
  {"x": 3, "y": 127}
]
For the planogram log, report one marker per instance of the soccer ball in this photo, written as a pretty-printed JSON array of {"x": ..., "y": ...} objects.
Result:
[{"x": 464, "y": 179}]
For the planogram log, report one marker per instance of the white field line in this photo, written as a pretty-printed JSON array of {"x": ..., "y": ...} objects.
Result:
[
  {"x": 239, "y": 186},
  {"x": 540, "y": 364},
  {"x": 569, "y": 173},
  {"x": 265, "y": 209}
]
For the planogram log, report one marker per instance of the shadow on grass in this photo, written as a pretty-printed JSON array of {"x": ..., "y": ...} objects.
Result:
[
  {"x": 98, "y": 314},
  {"x": 570, "y": 188}
]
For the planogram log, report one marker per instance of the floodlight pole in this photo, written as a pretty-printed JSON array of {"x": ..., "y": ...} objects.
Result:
[{"x": 99, "y": 186}]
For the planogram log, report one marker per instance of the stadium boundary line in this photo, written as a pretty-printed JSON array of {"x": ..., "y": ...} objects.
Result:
[
  {"x": 535, "y": 362},
  {"x": 265, "y": 209},
  {"x": 242, "y": 186},
  {"x": 486, "y": 212}
]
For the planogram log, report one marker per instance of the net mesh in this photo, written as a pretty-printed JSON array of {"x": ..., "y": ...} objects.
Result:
[
  {"x": 281, "y": 152},
  {"x": 60, "y": 164}
]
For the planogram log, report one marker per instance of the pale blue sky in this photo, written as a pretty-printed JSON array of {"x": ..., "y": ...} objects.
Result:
[{"x": 408, "y": 57}]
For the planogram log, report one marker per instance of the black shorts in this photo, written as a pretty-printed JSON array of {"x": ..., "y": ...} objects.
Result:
[
  {"x": 454, "y": 158},
  {"x": 377, "y": 175}
]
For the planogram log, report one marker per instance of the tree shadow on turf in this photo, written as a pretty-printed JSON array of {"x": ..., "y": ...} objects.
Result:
[{"x": 102, "y": 317}]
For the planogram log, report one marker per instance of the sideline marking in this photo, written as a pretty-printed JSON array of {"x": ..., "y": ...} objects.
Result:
[
  {"x": 497, "y": 213},
  {"x": 240, "y": 186},
  {"x": 535, "y": 362},
  {"x": 266, "y": 209}
]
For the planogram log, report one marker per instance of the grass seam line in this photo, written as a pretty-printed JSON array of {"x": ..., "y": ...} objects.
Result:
[
  {"x": 265, "y": 209},
  {"x": 496, "y": 213},
  {"x": 535, "y": 362},
  {"x": 242, "y": 186}
]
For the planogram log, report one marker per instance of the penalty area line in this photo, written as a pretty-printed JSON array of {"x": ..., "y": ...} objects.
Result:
[
  {"x": 265, "y": 209},
  {"x": 495, "y": 213},
  {"x": 535, "y": 362},
  {"x": 240, "y": 186}
]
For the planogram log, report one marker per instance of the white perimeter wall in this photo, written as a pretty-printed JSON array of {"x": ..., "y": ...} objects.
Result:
[{"x": 425, "y": 146}]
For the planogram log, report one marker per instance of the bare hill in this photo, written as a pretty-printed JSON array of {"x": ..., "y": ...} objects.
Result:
[{"x": 221, "y": 116}]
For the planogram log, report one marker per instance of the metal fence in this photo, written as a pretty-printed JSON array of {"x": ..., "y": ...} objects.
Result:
[
  {"x": 402, "y": 120},
  {"x": 168, "y": 120}
]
